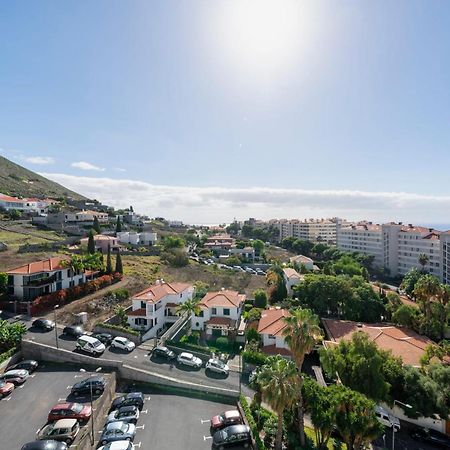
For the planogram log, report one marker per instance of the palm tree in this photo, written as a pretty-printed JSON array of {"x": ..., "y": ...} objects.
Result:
[
  {"x": 75, "y": 264},
  {"x": 301, "y": 333},
  {"x": 189, "y": 308},
  {"x": 279, "y": 386},
  {"x": 423, "y": 261},
  {"x": 427, "y": 288}
]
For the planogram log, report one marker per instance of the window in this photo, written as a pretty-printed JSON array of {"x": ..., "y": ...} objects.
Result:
[
  {"x": 140, "y": 321},
  {"x": 214, "y": 311},
  {"x": 226, "y": 311},
  {"x": 271, "y": 336}
]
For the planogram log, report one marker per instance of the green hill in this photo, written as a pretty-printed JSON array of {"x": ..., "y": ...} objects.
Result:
[{"x": 17, "y": 181}]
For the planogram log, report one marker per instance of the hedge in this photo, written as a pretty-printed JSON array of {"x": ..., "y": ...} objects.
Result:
[
  {"x": 4, "y": 356},
  {"x": 256, "y": 358},
  {"x": 118, "y": 328},
  {"x": 188, "y": 346},
  {"x": 252, "y": 424}
]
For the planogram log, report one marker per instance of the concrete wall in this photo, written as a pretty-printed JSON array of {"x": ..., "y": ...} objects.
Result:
[
  {"x": 131, "y": 337},
  {"x": 10, "y": 361}
]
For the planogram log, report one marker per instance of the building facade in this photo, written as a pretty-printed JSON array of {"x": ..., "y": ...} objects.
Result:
[
  {"x": 445, "y": 257},
  {"x": 270, "y": 328},
  {"x": 313, "y": 230}
]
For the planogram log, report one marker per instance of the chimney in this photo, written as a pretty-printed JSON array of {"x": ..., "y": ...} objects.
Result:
[{"x": 158, "y": 282}]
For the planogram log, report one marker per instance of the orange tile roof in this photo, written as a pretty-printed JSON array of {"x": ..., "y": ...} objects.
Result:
[
  {"x": 272, "y": 321},
  {"x": 402, "y": 342},
  {"x": 157, "y": 291},
  {"x": 47, "y": 265},
  {"x": 219, "y": 321},
  {"x": 138, "y": 312},
  {"x": 7, "y": 198},
  {"x": 223, "y": 298},
  {"x": 274, "y": 350},
  {"x": 291, "y": 273}
]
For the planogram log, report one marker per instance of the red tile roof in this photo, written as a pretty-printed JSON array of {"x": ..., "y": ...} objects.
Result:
[
  {"x": 158, "y": 291},
  {"x": 7, "y": 198},
  {"x": 138, "y": 312},
  {"x": 402, "y": 342},
  {"x": 219, "y": 321},
  {"x": 272, "y": 321},
  {"x": 273, "y": 350},
  {"x": 225, "y": 299},
  {"x": 47, "y": 265},
  {"x": 291, "y": 273}
]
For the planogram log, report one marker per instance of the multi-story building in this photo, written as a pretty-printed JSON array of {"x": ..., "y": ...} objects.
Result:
[
  {"x": 445, "y": 257},
  {"x": 132, "y": 237},
  {"x": 313, "y": 230},
  {"x": 42, "y": 277},
  {"x": 362, "y": 237}
]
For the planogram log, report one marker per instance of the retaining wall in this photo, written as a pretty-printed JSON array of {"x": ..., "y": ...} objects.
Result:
[
  {"x": 99, "y": 329},
  {"x": 10, "y": 361}
]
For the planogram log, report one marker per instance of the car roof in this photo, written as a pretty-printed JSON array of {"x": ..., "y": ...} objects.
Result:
[
  {"x": 231, "y": 413},
  {"x": 161, "y": 347},
  {"x": 134, "y": 395},
  {"x": 236, "y": 429},
  {"x": 127, "y": 409},
  {"x": 120, "y": 338},
  {"x": 62, "y": 406},
  {"x": 118, "y": 445},
  {"x": 115, "y": 425},
  {"x": 65, "y": 423},
  {"x": 15, "y": 372},
  {"x": 186, "y": 355}
]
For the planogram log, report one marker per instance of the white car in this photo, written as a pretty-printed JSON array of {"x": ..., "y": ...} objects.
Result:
[
  {"x": 188, "y": 359},
  {"x": 123, "y": 344},
  {"x": 215, "y": 365},
  {"x": 387, "y": 419},
  {"x": 117, "y": 445}
]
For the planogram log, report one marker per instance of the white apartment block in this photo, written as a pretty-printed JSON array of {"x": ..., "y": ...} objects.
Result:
[
  {"x": 144, "y": 238},
  {"x": 313, "y": 230},
  {"x": 445, "y": 257}
]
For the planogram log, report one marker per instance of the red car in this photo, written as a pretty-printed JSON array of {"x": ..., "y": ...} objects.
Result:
[
  {"x": 225, "y": 419},
  {"x": 70, "y": 411},
  {"x": 5, "y": 388}
]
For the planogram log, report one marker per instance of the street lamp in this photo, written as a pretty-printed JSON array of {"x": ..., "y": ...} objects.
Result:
[
  {"x": 406, "y": 405},
  {"x": 56, "y": 328},
  {"x": 98, "y": 369},
  {"x": 240, "y": 369}
]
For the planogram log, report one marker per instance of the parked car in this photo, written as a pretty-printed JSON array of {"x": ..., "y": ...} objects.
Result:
[
  {"x": 130, "y": 399},
  {"x": 431, "y": 436},
  {"x": 215, "y": 365},
  {"x": 260, "y": 272},
  {"x": 123, "y": 344},
  {"x": 77, "y": 411},
  {"x": 90, "y": 345},
  {"x": 117, "y": 445},
  {"x": 128, "y": 414},
  {"x": 188, "y": 359},
  {"x": 164, "y": 352},
  {"x": 15, "y": 377},
  {"x": 73, "y": 331},
  {"x": 5, "y": 388},
  {"x": 62, "y": 430},
  {"x": 29, "y": 365},
  {"x": 43, "y": 324},
  {"x": 104, "y": 338},
  {"x": 250, "y": 270},
  {"x": 118, "y": 431},
  {"x": 388, "y": 420},
  {"x": 84, "y": 387},
  {"x": 231, "y": 436},
  {"x": 45, "y": 445},
  {"x": 226, "y": 419}
]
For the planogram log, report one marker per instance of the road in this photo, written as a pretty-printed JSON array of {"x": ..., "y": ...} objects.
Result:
[{"x": 140, "y": 359}]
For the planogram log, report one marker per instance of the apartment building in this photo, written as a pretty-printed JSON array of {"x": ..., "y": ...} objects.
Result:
[
  {"x": 445, "y": 257},
  {"x": 362, "y": 237},
  {"x": 313, "y": 230}
]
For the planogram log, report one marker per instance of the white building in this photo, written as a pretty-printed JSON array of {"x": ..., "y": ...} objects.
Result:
[
  {"x": 363, "y": 237},
  {"x": 445, "y": 257},
  {"x": 42, "y": 277},
  {"x": 270, "y": 328},
  {"x": 301, "y": 259},
  {"x": 86, "y": 216},
  {"x": 291, "y": 278},
  {"x": 25, "y": 204},
  {"x": 155, "y": 307},
  {"x": 247, "y": 253},
  {"x": 220, "y": 313},
  {"x": 102, "y": 243},
  {"x": 313, "y": 230},
  {"x": 131, "y": 237}
]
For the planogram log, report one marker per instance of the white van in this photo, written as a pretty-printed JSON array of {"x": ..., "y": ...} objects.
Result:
[
  {"x": 90, "y": 344},
  {"x": 388, "y": 420}
]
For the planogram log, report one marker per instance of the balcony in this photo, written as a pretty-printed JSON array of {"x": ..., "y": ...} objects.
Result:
[{"x": 40, "y": 281}]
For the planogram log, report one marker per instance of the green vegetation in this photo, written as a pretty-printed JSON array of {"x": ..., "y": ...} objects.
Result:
[
  {"x": 118, "y": 328},
  {"x": 260, "y": 298}
]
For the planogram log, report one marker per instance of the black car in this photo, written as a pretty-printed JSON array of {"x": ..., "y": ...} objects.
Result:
[
  {"x": 74, "y": 331},
  {"x": 45, "y": 445},
  {"x": 131, "y": 399},
  {"x": 43, "y": 324},
  {"x": 231, "y": 436},
  {"x": 431, "y": 436},
  {"x": 163, "y": 352},
  {"x": 28, "y": 364},
  {"x": 84, "y": 386},
  {"x": 104, "y": 338}
]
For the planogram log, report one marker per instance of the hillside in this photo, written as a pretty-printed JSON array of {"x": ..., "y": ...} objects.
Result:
[{"x": 17, "y": 181}]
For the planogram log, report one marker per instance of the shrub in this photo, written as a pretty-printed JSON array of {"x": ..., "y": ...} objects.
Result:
[
  {"x": 252, "y": 357},
  {"x": 118, "y": 328},
  {"x": 251, "y": 423},
  {"x": 4, "y": 356},
  {"x": 253, "y": 335}
]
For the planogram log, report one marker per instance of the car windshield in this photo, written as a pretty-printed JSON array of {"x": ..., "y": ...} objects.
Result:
[
  {"x": 77, "y": 408},
  {"x": 219, "y": 364},
  {"x": 97, "y": 344}
]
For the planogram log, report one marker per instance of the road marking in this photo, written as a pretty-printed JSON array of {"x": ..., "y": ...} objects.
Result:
[
  {"x": 137, "y": 445},
  {"x": 69, "y": 387},
  {"x": 61, "y": 399},
  {"x": 205, "y": 438},
  {"x": 141, "y": 426},
  {"x": 135, "y": 357},
  {"x": 21, "y": 386},
  {"x": 148, "y": 399},
  {"x": 145, "y": 411},
  {"x": 8, "y": 399},
  {"x": 32, "y": 376},
  {"x": 204, "y": 420}
]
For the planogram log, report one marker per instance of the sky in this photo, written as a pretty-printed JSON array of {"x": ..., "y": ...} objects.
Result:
[{"x": 206, "y": 111}]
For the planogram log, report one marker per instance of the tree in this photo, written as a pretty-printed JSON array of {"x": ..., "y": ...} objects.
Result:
[
  {"x": 93, "y": 262},
  {"x": 393, "y": 302},
  {"x": 260, "y": 298},
  {"x": 171, "y": 242},
  {"x": 359, "y": 365},
  {"x": 406, "y": 315},
  {"x": 346, "y": 265},
  {"x": 258, "y": 245},
  {"x": 355, "y": 417},
  {"x": 279, "y": 386},
  {"x": 319, "y": 248},
  {"x": 14, "y": 214},
  {"x": 409, "y": 281},
  {"x": 423, "y": 261},
  {"x": 275, "y": 281},
  {"x": 439, "y": 351},
  {"x": 108, "y": 261},
  {"x": 301, "y": 334},
  {"x": 121, "y": 314},
  {"x": 118, "y": 225},
  {"x": 96, "y": 225},
  {"x": 91, "y": 242},
  {"x": 176, "y": 257},
  {"x": 10, "y": 334},
  {"x": 189, "y": 308},
  {"x": 75, "y": 265},
  {"x": 119, "y": 266},
  {"x": 3, "y": 283},
  {"x": 252, "y": 335},
  {"x": 426, "y": 290}
]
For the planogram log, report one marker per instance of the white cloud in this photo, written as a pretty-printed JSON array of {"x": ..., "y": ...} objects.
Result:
[
  {"x": 119, "y": 169},
  {"x": 217, "y": 204},
  {"x": 83, "y": 165},
  {"x": 41, "y": 160}
]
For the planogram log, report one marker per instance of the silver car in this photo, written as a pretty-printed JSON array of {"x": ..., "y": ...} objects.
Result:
[
  {"x": 129, "y": 414},
  {"x": 188, "y": 359},
  {"x": 215, "y": 365}
]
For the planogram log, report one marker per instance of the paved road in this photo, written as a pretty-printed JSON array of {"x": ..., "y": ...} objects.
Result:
[{"x": 140, "y": 358}]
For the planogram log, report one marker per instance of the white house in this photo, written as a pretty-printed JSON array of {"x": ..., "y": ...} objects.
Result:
[
  {"x": 247, "y": 253},
  {"x": 155, "y": 307},
  {"x": 301, "y": 259},
  {"x": 102, "y": 243},
  {"x": 291, "y": 278},
  {"x": 86, "y": 216},
  {"x": 131, "y": 237},
  {"x": 42, "y": 277},
  {"x": 270, "y": 328},
  {"x": 220, "y": 313}
]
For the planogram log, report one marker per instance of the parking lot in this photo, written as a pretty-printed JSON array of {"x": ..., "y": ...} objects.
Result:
[
  {"x": 170, "y": 422},
  {"x": 25, "y": 411}
]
